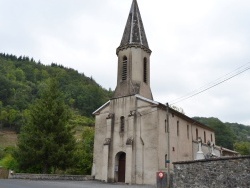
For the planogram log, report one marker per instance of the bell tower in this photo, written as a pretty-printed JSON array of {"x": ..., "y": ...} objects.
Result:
[{"x": 133, "y": 74}]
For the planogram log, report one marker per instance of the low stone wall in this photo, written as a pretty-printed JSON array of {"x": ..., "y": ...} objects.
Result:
[
  {"x": 50, "y": 177},
  {"x": 229, "y": 172},
  {"x": 4, "y": 173}
]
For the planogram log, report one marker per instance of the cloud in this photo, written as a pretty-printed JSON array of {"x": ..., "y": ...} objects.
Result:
[{"x": 193, "y": 43}]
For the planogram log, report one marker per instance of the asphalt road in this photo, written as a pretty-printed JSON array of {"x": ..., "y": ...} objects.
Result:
[{"x": 13, "y": 183}]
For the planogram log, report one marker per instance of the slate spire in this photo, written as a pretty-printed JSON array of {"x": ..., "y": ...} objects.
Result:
[{"x": 134, "y": 33}]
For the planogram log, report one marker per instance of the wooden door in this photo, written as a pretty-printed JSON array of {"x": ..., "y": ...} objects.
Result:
[{"x": 122, "y": 168}]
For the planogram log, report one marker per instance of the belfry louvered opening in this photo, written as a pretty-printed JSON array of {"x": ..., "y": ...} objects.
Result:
[
  {"x": 122, "y": 124},
  {"x": 145, "y": 70},
  {"x": 124, "y": 68}
]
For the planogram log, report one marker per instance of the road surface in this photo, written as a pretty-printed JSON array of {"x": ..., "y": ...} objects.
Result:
[{"x": 13, "y": 183}]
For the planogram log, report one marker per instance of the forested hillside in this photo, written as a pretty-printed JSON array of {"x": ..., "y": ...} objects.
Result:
[
  {"x": 229, "y": 135},
  {"x": 54, "y": 105},
  {"x": 21, "y": 79}
]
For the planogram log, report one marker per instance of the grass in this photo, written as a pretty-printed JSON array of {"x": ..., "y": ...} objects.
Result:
[{"x": 8, "y": 138}]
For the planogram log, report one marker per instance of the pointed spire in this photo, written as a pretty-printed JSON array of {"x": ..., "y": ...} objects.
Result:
[{"x": 134, "y": 33}]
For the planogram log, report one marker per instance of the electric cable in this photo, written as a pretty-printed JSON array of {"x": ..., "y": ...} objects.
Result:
[{"x": 212, "y": 84}]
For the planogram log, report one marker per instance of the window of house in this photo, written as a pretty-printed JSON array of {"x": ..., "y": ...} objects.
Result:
[
  {"x": 178, "y": 128},
  {"x": 205, "y": 139},
  {"x": 165, "y": 125},
  {"x": 166, "y": 158},
  {"x": 124, "y": 68},
  {"x": 168, "y": 128},
  {"x": 145, "y": 70},
  {"x": 197, "y": 134},
  {"x": 211, "y": 137},
  {"x": 122, "y": 124},
  {"x": 188, "y": 131}
]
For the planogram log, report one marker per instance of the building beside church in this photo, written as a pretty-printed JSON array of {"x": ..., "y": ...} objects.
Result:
[{"x": 135, "y": 135}]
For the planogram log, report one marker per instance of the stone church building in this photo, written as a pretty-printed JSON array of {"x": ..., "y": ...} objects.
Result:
[{"x": 135, "y": 135}]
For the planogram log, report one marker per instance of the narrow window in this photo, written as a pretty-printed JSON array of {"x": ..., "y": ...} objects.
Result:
[
  {"x": 211, "y": 137},
  {"x": 188, "y": 131},
  {"x": 165, "y": 125},
  {"x": 145, "y": 69},
  {"x": 178, "y": 128},
  {"x": 124, "y": 68},
  {"x": 205, "y": 139},
  {"x": 197, "y": 135},
  {"x": 122, "y": 124},
  {"x": 166, "y": 161}
]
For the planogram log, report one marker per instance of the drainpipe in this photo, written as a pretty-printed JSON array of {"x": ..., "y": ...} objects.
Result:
[
  {"x": 135, "y": 137},
  {"x": 168, "y": 173},
  {"x": 142, "y": 143}
]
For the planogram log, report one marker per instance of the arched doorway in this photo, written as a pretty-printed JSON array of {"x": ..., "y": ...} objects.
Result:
[{"x": 121, "y": 167}]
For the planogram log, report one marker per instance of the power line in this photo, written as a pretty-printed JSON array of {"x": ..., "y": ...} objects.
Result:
[
  {"x": 210, "y": 83},
  {"x": 214, "y": 83},
  {"x": 185, "y": 97}
]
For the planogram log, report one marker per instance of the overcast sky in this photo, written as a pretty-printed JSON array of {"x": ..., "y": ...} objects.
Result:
[{"x": 194, "y": 42}]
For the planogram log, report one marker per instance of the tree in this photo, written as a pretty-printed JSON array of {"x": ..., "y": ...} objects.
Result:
[
  {"x": 225, "y": 137},
  {"x": 46, "y": 142},
  {"x": 87, "y": 149},
  {"x": 7, "y": 160},
  {"x": 3, "y": 117},
  {"x": 84, "y": 153},
  {"x": 242, "y": 147},
  {"x": 1, "y": 108},
  {"x": 20, "y": 75},
  {"x": 21, "y": 79}
]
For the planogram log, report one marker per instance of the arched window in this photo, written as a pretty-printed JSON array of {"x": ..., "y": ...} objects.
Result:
[
  {"x": 197, "y": 134},
  {"x": 205, "y": 139},
  {"x": 145, "y": 70},
  {"x": 188, "y": 131},
  {"x": 122, "y": 124},
  {"x": 124, "y": 68}
]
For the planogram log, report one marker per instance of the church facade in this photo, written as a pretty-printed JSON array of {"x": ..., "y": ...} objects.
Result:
[{"x": 135, "y": 135}]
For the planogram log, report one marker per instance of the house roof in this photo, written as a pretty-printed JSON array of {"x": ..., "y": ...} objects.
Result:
[
  {"x": 99, "y": 109},
  {"x": 183, "y": 116},
  {"x": 163, "y": 107}
]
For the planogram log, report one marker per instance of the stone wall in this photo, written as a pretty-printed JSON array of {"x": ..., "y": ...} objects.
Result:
[
  {"x": 4, "y": 173},
  {"x": 50, "y": 177},
  {"x": 230, "y": 172}
]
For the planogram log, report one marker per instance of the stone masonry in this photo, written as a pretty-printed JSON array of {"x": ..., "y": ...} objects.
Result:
[
  {"x": 51, "y": 177},
  {"x": 233, "y": 172},
  {"x": 3, "y": 173}
]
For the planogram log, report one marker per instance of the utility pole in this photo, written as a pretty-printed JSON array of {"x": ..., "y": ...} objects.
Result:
[{"x": 168, "y": 139}]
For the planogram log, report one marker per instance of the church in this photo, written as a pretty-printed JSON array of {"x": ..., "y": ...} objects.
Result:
[{"x": 135, "y": 136}]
